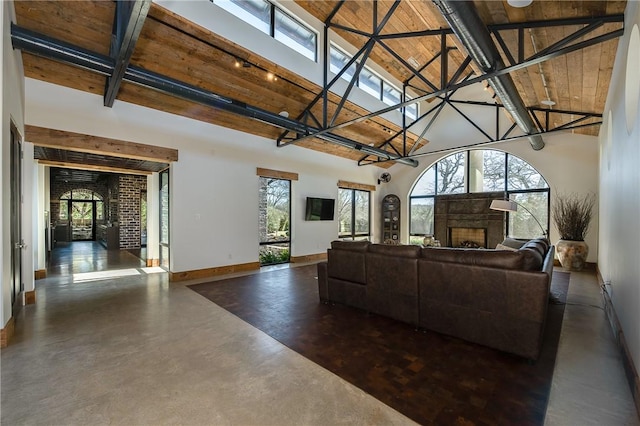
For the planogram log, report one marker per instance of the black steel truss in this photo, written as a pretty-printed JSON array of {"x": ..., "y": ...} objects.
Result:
[
  {"x": 445, "y": 88},
  {"x": 130, "y": 17},
  {"x": 51, "y": 48},
  {"x": 127, "y": 24}
]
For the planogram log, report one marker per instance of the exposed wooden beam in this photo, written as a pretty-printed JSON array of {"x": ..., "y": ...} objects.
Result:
[
  {"x": 80, "y": 166},
  {"x": 60, "y": 139},
  {"x": 276, "y": 174},
  {"x": 127, "y": 24}
]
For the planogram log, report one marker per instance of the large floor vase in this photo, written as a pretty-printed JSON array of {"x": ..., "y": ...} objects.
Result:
[{"x": 572, "y": 254}]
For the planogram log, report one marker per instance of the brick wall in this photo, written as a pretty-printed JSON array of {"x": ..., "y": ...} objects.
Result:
[
  {"x": 121, "y": 195},
  {"x": 129, "y": 191}
]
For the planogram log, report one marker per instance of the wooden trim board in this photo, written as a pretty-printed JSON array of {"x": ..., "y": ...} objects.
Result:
[
  {"x": 40, "y": 274},
  {"x": 355, "y": 185},
  {"x": 30, "y": 297},
  {"x": 212, "y": 272},
  {"x": 276, "y": 174},
  {"x": 153, "y": 262},
  {"x": 318, "y": 257},
  {"x": 7, "y": 332}
]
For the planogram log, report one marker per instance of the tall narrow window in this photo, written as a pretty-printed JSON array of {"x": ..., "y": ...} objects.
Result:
[
  {"x": 274, "y": 220},
  {"x": 164, "y": 219},
  {"x": 354, "y": 214}
]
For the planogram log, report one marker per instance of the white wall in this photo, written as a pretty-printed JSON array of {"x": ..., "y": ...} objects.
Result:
[
  {"x": 214, "y": 187},
  {"x": 620, "y": 194},
  {"x": 12, "y": 109}
]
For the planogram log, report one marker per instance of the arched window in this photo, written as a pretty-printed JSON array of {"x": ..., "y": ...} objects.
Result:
[
  {"x": 475, "y": 171},
  {"x": 80, "y": 194}
]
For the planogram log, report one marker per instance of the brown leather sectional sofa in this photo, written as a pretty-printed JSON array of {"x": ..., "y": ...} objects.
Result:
[{"x": 497, "y": 298}]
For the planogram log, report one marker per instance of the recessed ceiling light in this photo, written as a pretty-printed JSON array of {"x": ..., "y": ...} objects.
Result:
[
  {"x": 413, "y": 62},
  {"x": 548, "y": 102},
  {"x": 519, "y": 3},
  {"x": 284, "y": 114}
]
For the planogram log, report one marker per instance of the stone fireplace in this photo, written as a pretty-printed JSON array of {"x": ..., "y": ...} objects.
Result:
[{"x": 467, "y": 218}]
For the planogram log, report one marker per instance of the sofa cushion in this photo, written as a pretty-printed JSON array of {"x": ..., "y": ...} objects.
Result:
[
  {"x": 350, "y": 245},
  {"x": 489, "y": 258},
  {"x": 532, "y": 259},
  {"x": 537, "y": 245},
  {"x": 348, "y": 263},
  {"x": 393, "y": 250}
]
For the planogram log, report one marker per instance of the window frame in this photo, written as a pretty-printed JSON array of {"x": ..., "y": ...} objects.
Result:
[
  {"x": 353, "y": 235},
  {"x": 508, "y": 192}
]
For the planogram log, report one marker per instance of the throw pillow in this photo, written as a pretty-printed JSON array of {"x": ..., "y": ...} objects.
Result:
[{"x": 503, "y": 247}]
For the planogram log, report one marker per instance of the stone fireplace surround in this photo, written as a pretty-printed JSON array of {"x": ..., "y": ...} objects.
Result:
[{"x": 469, "y": 211}]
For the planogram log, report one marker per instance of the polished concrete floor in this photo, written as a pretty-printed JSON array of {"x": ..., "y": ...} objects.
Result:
[{"x": 137, "y": 350}]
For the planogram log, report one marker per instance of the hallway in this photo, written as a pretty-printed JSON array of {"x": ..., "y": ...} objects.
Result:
[
  {"x": 88, "y": 256},
  {"x": 139, "y": 350}
]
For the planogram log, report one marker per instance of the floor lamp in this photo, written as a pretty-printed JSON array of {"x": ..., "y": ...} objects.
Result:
[{"x": 512, "y": 206}]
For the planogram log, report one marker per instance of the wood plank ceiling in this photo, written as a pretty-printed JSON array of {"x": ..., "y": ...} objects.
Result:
[{"x": 172, "y": 46}]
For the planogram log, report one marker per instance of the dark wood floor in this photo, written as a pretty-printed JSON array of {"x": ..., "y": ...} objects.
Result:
[
  {"x": 431, "y": 378},
  {"x": 89, "y": 256}
]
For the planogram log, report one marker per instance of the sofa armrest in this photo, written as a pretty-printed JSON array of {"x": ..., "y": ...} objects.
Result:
[
  {"x": 323, "y": 286},
  {"x": 547, "y": 266}
]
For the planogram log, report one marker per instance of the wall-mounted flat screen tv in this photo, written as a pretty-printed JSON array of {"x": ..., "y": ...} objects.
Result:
[{"x": 319, "y": 208}]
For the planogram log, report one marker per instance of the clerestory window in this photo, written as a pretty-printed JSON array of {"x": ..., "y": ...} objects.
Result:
[{"x": 273, "y": 21}]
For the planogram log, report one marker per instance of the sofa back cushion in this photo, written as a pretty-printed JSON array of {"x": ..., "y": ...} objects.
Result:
[
  {"x": 488, "y": 258},
  {"x": 392, "y": 250},
  {"x": 360, "y": 246},
  {"x": 346, "y": 261}
]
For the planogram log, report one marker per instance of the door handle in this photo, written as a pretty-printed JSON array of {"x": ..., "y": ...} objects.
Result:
[{"x": 21, "y": 245}]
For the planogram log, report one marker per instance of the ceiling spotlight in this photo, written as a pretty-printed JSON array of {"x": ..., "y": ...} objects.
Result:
[
  {"x": 246, "y": 64},
  {"x": 284, "y": 114},
  {"x": 519, "y": 3},
  {"x": 413, "y": 62},
  {"x": 272, "y": 77},
  {"x": 237, "y": 63},
  {"x": 547, "y": 102}
]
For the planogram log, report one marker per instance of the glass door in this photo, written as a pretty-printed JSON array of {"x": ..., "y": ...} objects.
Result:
[
  {"x": 274, "y": 221},
  {"x": 82, "y": 220}
]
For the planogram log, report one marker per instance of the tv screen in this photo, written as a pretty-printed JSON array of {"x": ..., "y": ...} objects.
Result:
[{"x": 319, "y": 209}]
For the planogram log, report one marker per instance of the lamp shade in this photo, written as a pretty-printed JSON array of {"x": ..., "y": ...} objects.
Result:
[
  {"x": 519, "y": 3},
  {"x": 504, "y": 205}
]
